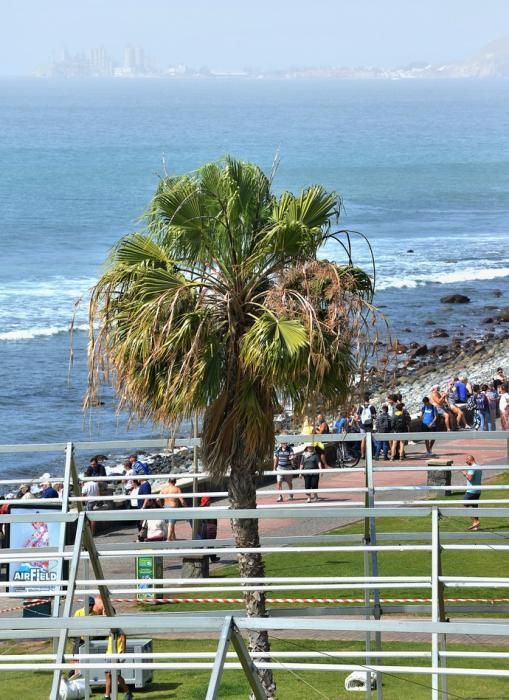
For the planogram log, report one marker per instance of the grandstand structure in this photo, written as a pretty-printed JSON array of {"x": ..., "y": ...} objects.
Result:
[{"x": 374, "y": 616}]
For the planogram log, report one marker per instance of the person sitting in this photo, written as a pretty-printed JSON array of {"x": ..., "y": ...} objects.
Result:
[
  {"x": 47, "y": 490},
  {"x": 156, "y": 530},
  {"x": 452, "y": 398},
  {"x": 95, "y": 468},
  {"x": 440, "y": 403}
]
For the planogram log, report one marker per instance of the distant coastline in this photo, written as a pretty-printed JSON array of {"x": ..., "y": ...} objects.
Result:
[{"x": 492, "y": 61}]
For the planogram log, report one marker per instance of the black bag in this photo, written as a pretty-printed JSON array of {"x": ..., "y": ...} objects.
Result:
[{"x": 142, "y": 534}]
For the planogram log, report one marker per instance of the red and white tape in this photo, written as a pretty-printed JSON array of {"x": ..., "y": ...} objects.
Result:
[{"x": 212, "y": 601}]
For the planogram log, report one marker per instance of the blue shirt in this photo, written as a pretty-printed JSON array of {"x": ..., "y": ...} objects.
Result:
[
  {"x": 140, "y": 468},
  {"x": 461, "y": 392},
  {"x": 144, "y": 490},
  {"x": 340, "y": 425},
  {"x": 428, "y": 413},
  {"x": 49, "y": 493},
  {"x": 476, "y": 475}
]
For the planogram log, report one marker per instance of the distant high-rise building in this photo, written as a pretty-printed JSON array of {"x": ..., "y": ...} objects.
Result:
[{"x": 134, "y": 61}]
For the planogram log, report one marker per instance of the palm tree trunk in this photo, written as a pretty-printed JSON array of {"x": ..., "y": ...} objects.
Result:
[{"x": 242, "y": 492}]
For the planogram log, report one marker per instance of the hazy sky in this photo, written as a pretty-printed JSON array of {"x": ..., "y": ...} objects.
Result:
[{"x": 230, "y": 34}]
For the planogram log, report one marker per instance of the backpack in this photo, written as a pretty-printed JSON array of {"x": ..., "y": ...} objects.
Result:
[
  {"x": 471, "y": 403},
  {"x": 140, "y": 468},
  {"x": 399, "y": 423},
  {"x": 481, "y": 402},
  {"x": 366, "y": 415}
]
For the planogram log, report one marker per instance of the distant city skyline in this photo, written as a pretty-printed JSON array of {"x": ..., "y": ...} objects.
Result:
[
  {"x": 227, "y": 35},
  {"x": 489, "y": 61}
]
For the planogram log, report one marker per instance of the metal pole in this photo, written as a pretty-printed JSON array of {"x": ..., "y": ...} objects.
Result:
[
  {"x": 434, "y": 601},
  {"x": 86, "y": 672},
  {"x": 69, "y": 452},
  {"x": 377, "y": 610},
  {"x": 195, "y": 477},
  {"x": 217, "y": 670},
  {"x": 73, "y": 573},
  {"x": 367, "y": 569}
]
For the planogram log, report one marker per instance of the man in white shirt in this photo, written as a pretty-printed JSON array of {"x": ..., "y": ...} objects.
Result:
[{"x": 90, "y": 489}]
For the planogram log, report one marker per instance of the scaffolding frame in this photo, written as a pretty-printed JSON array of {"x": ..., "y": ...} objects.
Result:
[{"x": 229, "y": 626}]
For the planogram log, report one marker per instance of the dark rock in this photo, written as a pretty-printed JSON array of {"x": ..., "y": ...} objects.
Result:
[
  {"x": 407, "y": 330},
  {"x": 419, "y": 351},
  {"x": 497, "y": 293},
  {"x": 429, "y": 322},
  {"x": 487, "y": 320},
  {"x": 439, "y": 350},
  {"x": 504, "y": 315},
  {"x": 410, "y": 250},
  {"x": 439, "y": 333},
  {"x": 455, "y": 299}
]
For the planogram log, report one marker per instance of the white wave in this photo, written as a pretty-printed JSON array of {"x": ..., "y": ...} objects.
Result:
[
  {"x": 68, "y": 288},
  {"x": 466, "y": 275},
  {"x": 30, "y": 333}
]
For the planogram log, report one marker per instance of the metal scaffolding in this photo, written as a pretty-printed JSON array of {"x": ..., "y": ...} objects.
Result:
[{"x": 228, "y": 626}]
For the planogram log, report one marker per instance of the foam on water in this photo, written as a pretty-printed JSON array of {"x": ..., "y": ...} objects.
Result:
[
  {"x": 31, "y": 333},
  {"x": 458, "y": 276}
]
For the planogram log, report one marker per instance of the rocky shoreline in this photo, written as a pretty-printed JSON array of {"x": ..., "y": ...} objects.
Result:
[{"x": 418, "y": 366}]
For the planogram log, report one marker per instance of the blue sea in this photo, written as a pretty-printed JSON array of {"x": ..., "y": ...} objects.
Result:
[{"x": 420, "y": 166}]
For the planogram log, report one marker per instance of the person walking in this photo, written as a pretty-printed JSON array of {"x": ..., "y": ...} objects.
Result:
[
  {"x": 472, "y": 495},
  {"x": 283, "y": 464},
  {"x": 310, "y": 460}
]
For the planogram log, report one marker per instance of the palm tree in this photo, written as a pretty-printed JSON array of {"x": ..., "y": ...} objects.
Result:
[{"x": 222, "y": 306}]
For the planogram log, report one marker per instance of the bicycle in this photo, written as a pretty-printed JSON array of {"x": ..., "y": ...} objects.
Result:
[{"x": 347, "y": 454}]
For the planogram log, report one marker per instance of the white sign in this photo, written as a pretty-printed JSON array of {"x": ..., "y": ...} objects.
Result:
[{"x": 37, "y": 534}]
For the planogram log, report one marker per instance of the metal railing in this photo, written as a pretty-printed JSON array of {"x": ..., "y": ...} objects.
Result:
[{"x": 229, "y": 625}]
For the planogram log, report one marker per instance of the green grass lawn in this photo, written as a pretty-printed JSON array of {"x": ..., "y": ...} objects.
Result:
[{"x": 191, "y": 685}]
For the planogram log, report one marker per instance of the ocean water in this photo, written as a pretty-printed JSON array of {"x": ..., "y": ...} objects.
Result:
[{"x": 421, "y": 166}]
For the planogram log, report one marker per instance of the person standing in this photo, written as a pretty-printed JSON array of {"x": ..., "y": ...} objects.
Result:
[
  {"x": 503, "y": 406},
  {"x": 90, "y": 489},
  {"x": 367, "y": 415},
  {"x": 310, "y": 460},
  {"x": 383, "y": 425},
  {"x": 172, "y": 499},
  {"x": 472, "y": 495},
  {"x": 207, "y": 527},
  {"x": 399, "y": 425},
  {"x": 283, "y": 464},
  {"x": 428, "y": 420}
]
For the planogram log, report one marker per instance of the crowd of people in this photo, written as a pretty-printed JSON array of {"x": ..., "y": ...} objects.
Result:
[{"x": 457, "y": 405}]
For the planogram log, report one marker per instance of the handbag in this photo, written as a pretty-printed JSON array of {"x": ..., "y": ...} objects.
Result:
[{"x": 142, "y": 535}]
